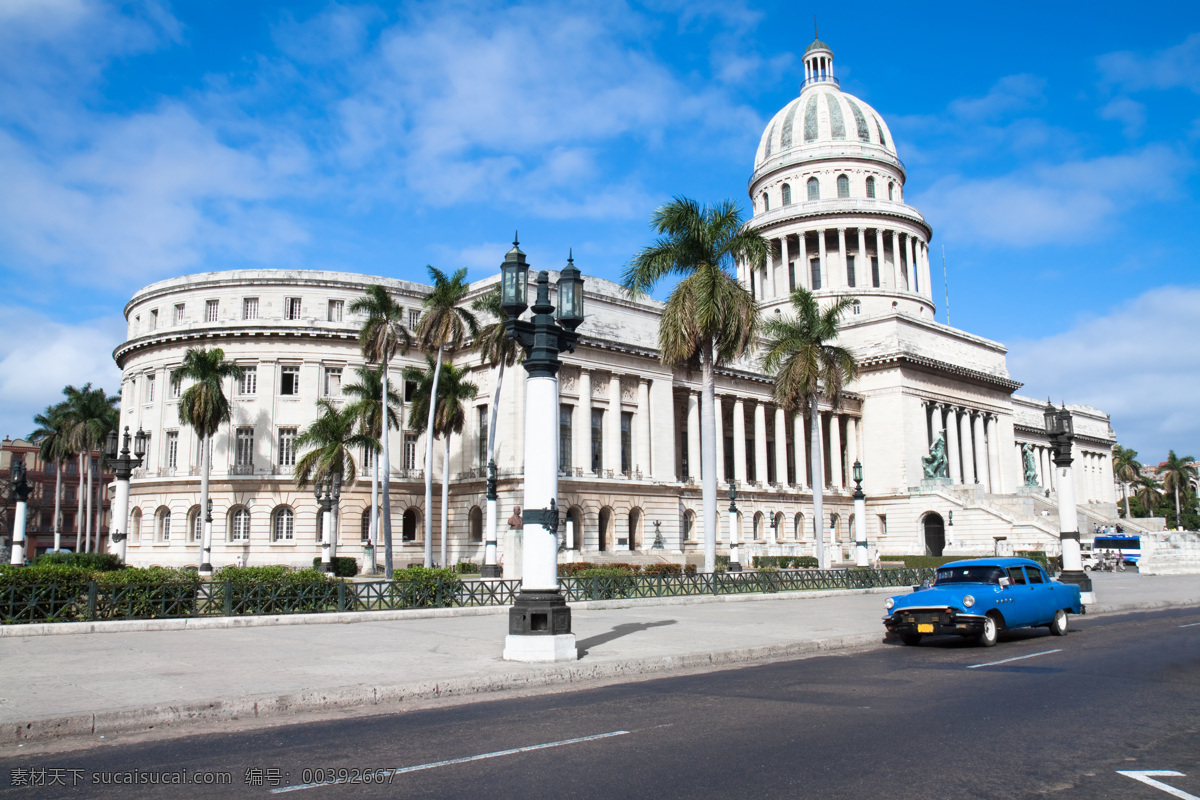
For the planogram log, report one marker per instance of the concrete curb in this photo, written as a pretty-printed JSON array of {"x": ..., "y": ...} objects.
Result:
[{"x": 349, "y": 617}]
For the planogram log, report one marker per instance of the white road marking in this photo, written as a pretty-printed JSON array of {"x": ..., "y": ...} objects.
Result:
[
  {"x": 1014, "y": 658},
  {"x": 400, "y": 770},
  {"x": 1190, "y": 625},
  {"x": 1143, "y": 775}
]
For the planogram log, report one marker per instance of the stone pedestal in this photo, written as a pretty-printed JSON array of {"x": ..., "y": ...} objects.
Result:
[{"x": 539, "y": 628}]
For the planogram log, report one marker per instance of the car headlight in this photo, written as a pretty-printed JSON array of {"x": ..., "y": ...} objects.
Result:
[
  {"x": 968, "y": 601},
  {"x": 889, "y": 603}
]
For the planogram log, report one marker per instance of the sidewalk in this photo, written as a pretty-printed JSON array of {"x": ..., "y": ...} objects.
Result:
[{"x": 87, "y": 685}]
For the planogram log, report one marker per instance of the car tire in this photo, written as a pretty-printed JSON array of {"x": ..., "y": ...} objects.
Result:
[
  {"x": 1058, "y": 626},
  {"x": 911, "y": 639},
  {"x": 990, "y": 633}
]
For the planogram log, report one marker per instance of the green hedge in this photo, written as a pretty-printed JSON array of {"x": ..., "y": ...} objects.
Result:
[
  {"x": 785, "y": 562},
  {"x": 574, "y": 568},
  {"x": 343, "y": 566},
  {"x": 917, "y": 562},
  {"x": 103, "y": 562},
  {"x": 466, "y": 568}
]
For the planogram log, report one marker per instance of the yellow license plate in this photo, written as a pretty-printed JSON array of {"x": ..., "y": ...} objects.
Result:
[{"x": 923, "y": 627}]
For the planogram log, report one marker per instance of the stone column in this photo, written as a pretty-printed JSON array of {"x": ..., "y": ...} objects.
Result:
[
  {"x": 862, "y": 262},
  {"x": 780, "y": 447},
  {"x": 612, "y": 425},
  {"x": 981, "y": 465},
  {"x": 885, "y": 277},
  {"x": 843, "y": 270},
  {"x": 912, "y": 265},
  {"x": 693, "y": 435},
  {"x": 803, "y": 279},
  {"x": 1043, "y": 470},
  {"x": 800, "y": 437},
  {"x": 581, "y": 437},
  {"x": 993, "y": 446},
  {"x": 760, "y": 443},
  {"x": 968, "y": 450},
  {"x": 953, "y": 458},
  {"x": 851, "y": 446},
  {"x": 898, "y": 280},
  {"x": 719, "y": 413},
  {"x": 836, "y": 474},
  {"x": 786, "y": 273},
  {"x": 926, "y": 271},
  {"x": 739, "y": 440},
  {"x": 824, "y": 267},
  {"x": 643, "y": 428}
]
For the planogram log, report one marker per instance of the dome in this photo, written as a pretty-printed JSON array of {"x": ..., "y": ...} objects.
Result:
[
  {"x": 817, "y": 45},
  {"x": 824, "y": 121}
]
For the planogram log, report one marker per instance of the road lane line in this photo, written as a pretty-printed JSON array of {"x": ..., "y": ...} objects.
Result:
[
  {"x": 400, "y": 770},
  {"x": 1014, "y": 658},
  {"x": 1143, "y": 775},
  {"x": 1190, "y": 625}
]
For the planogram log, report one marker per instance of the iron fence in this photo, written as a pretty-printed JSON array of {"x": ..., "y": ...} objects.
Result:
[{"x": 74, "y": 602}]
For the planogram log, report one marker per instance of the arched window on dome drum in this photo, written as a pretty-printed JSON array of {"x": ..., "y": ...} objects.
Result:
[
  {"x": 843, "y": 184},
  {"x": 814, "y": 189},
  {"x": 891, "y": 193},
  {"x": 870, "y": 187},
  {"x": 787, "y": 194},
  {"x": 766, "y": 202}
]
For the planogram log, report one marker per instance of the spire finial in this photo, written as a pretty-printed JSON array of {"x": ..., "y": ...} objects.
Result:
[
  {"x": 516, "y": 239},
  {"x": 815, "y": 34},
  {"x": 570, "y": 255}
]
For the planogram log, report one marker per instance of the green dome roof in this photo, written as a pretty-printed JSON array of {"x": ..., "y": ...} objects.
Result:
[{"x": 817, "y": 45}]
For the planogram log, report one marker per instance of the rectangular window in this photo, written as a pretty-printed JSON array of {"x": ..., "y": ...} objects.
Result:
[
  {"x": 153, "y": 318},
  {"x": 564, "y": 436},
  {"x": 333, "y": 381},
  {"x": 791, "y": 276},
  {"x": 875, "y": 271},
  {"x": 626, "y": 442},
  {"x": 244, "y": 450},
  {"x": 335, "y": 310},
  {"x": 481, "y": 446},
  {"x": 249, "y": 308},
  {"x": 248, "y": 383},
  {"x": 751, "y": 461},
  {"x": 414, "y": 316},
  {"x": 172, "y": 449},
  {"x": 210, "y": 310},
  {"x": 287, "y": 447},
  {"x": 179, "y": 314},
  {"x": 815, "y": 268},
  {"x": 408, "y": 455},
  {"x": 291, "y": 308},
  {"x": 150, "y": 388},
  {"x": 850, "y": 271},
  {"x": 410, "y": 391},
  {"x": 597, "y": 438},
  {"x": 289, "y": 380},
  {"x": 176, "y": 388}
]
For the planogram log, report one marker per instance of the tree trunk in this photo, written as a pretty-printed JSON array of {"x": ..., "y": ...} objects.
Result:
[
  {"x": 87, "y": 533},
  {"x": 1125, "y": 495},
  {"x": 437, "y": 374},
  {"x": 205, "y": 458},
  {"x": 79, "y": 507},
  {"x": 493, "y": 517},
  {"x": 1178, "y": 516},
  {"x": 101, "y": 496},
  {"x": 445, "y": 496},
  {"x": 818, "y": 480},
  {"x": 373, "y": 528},
  {"x": 57, "y": 506},
  {"x": 384, "y": 481},
  {"x": 708, "y": 455}
]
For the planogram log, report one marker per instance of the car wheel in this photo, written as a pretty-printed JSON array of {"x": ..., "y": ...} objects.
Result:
[
  {"x": 910, "y": 639},
  {"x": 1087, "y": 567},
  {"x": 1059, "y": 626},
  {"x": 990, "y": 633}
]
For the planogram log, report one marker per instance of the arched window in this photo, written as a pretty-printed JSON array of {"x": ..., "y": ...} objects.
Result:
[
  {"x": 408, "y": 526},
  {"x": 239, "y": 525},
  {"x": 780, "y": 528},
  {"x": 135, "y": 525},
  {"x": 195, "y": 525},
  {"x": 475, "y": 525},
  {"x": 787, "y": 194},
  {"x": 856, "y": 307},
  {"x": 891, "y": 191},
  {"x": 283, "y": 528},
  {"x": 758, "y": 525},
  {"x": 365, "y": 526},
  {"x": 689, "y": 524},
  {"x": 573, "y": 533},
  {"x": 635, "y": 529},
  {"x": 766, "y": 202},
  {"x": 843, "y": 186},
  {"x": 799, "y": 523},
  {"x": 163, "y": 525},
  {"x": 814, "y": 189},
  {"x": 870, "y": 186}
]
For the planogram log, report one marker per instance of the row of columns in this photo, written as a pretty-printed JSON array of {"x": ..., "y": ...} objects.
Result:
[
  {"x": 1092, "y": 466},
  {"x": 581, "y": 427},
  {"x": 908, "y": 270},
  {"x": 831, "y": 422},
  {"x": 972, "y": 438}
]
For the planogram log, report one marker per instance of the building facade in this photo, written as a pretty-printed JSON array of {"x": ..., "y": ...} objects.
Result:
[{"x": 827, "y": 191}]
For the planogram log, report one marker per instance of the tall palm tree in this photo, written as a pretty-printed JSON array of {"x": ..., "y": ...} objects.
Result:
[
  {"x": 366, "y": 405},
  {"x": 499, "y": 350},
  {"x": 807, "y": 365},
  {"x": 448, "y": 418},
  {"x": 52, "y": 436},
  {"x": 1126, "y": 468},
  {"x": 708, "y": 314},
  {"x": 1175, "y": 473},
  {"x": 204, "y": 407},
  {"x": 92, "y": 414},
  {"x": 443, "y": 326},
  {"x": 381, "y": 335},
  {"x": 330, "y": 439},
  {"x": 1147, "y": 492}
]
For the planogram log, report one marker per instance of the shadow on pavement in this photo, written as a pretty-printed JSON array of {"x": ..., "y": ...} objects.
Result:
[{"x": 617, "y": 632}]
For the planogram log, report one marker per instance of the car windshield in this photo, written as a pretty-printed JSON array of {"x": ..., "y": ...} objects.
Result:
[{"x": 980, "y": 574}]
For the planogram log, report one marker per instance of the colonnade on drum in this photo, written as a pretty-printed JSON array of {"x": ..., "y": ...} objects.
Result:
[
  {"x": 1091, "y": 468},
  {"x": 972, "y": 439},
  {"x": 844, "y": 257},
  {"x": 752, "y": 451}
]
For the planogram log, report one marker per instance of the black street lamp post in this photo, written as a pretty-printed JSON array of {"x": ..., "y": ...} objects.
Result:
[
  {"x": 1061, "y": 430},
  {"x": 860, "y": 518},
  {"x": 735, "y": 562},
  {"x": 123, "y": 466}
]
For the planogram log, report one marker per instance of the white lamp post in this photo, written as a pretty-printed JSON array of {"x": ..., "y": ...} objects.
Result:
[
  {"x": 539, "y": 623},
  {"x": 328, "y": 491},
  {"x": 123, "y": 467},
  {"x": 1061, "y": 430},
  {"x": 735, "y": 561},
  {"x": 860, "y": 518},
  {"x": 21, "y": 488}
]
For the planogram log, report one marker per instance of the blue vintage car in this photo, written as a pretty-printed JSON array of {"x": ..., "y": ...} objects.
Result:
[{"x": 981, "y": 597}]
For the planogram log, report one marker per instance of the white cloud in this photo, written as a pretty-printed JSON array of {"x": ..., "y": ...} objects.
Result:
[
  {"x": 1130, "y": 113},
  {"x": 1051, "y": 203},
  {"x": 1173, "y": 67},
  {"x": 1138, "y": 362},
  {"x": 34, "y": 369},
  {"x": 1011, "y": 93}
]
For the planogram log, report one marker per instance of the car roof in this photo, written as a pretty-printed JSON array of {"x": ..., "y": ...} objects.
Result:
[{"x": 993, "y": 562}]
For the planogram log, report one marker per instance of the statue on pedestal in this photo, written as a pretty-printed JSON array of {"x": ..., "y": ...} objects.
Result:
[
  {"x": 935, "y": 463},
  {"x": 1031, "y": 476}
]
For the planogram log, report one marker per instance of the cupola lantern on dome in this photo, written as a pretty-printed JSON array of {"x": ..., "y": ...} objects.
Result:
[{"x": 818, "y": 62}]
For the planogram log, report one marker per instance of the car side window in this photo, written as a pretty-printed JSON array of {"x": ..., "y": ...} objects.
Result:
[
  {"x": 1035, "y": 575},
  {"x": 1016, "y": 576}
]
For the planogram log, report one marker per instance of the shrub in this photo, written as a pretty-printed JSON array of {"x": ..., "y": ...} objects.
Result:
[
  {"x": 784, "y": 562},
  {"x": 60, "y": 574},
  {"x": 917, "y": 562},
  {"x": 101, "y": 562},
  {"x": 466, "y": 568},
  {"x": 343, "y": 566},
  {"x": 425, "y": 587},
  {"x": 662, "y": 569}
]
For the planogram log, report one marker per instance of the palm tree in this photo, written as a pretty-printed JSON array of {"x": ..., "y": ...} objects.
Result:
[
  {"x": 52, "y": 436},
  {"x": 443, "y": 325},
  {"x": 380, "y": 336},
  {"x": 1146, "y": 491},
  {"x": 708, "y": 314},
  {"x": 92, "y": 414},
  {"x": 807, "y": 365},
  {"x": 449, "y": 417},
  {"x": 1175, "y": 473},
  {"x": 499, "y": 350},
  {"x": 1126, "y": 469},
  {"x": 203, "y": 406},
  {"x": 366, "y": 406},
  {"x": 331, "y": 438}
]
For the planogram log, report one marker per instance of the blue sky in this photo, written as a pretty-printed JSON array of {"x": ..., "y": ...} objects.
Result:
[{"x": 1053, "y": 152}]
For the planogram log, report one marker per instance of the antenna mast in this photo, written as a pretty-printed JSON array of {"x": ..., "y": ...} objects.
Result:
[{"x": 946, "y": 283}]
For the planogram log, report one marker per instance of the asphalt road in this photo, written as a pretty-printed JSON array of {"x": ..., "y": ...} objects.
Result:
[{"x": 1059, "y": 720}]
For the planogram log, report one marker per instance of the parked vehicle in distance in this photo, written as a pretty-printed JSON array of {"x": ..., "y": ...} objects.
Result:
[
  {"x": 980, "y": 597},
  {"x": 1127, "y": 548}
]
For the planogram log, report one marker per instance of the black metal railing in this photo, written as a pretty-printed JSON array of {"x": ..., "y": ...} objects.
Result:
[{"x": 90, "y": 601}]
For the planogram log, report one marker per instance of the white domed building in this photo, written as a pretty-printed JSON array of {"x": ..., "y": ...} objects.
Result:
[{"x": 828, "y": 193}]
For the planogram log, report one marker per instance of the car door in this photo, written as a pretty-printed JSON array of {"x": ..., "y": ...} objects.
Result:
[
  {"x": 1018, "y": 607},
  {"x": 1042, "y": 597}
]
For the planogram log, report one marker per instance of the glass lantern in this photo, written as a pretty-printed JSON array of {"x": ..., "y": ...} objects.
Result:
[{"x": 570, "y": 296}]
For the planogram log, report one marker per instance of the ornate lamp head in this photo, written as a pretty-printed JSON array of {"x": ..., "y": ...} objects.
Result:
[
  {"x": 110, "y": 444},
  {"x": 514, "y": 282},
  {"x": 139, "y": 443},
  {"x": 570, "y": 296}
]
